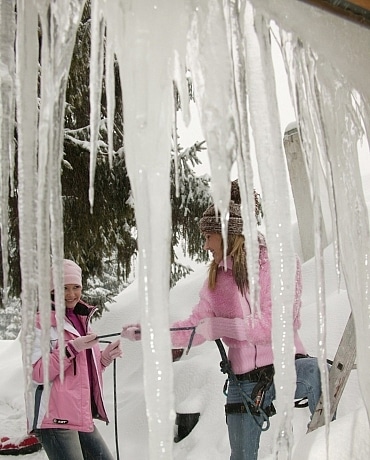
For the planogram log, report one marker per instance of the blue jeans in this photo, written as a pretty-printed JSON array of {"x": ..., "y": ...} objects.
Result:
[
  {"x": 61, "y": 444},
  {"x": 245, "y": 429}
]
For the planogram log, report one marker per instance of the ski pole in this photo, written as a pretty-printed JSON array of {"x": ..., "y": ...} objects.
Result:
[
  {"x": 108, "y": 335},
  {"x": 114, "y": 396},
  {"x": 185, "y": 328},
  {"x": 172, "y": 329}
]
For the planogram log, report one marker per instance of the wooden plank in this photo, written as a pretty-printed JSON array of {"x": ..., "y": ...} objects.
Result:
[
  {"x": 355, "y": 10},
  {"x": 362, "y": 3},
  {"x": 342, "y": 365}
]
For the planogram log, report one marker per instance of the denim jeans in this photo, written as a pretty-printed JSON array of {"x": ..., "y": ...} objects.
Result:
[
  {"x": 245, "y": 429},
  {"x": 61, "y": 444}
]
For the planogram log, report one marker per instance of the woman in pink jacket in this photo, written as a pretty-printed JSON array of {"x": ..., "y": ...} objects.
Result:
[
  {"x": 224, "y": 311},
  {"x": 64, "y": 422}
]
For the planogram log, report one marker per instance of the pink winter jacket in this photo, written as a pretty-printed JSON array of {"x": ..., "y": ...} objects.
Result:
[
  {"x": 70, "y": 403},
  {"x": 226, "y": 313}
]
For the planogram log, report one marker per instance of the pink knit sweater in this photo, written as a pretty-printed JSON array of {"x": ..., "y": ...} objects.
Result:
[{"x": 247, "y": 336}]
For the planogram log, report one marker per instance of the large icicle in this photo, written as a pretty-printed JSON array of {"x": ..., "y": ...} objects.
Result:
[
  {"x": 210, "y": 64},
  {"x": 331, "y": 129},
  {"x": 301, "y": 64},
  {"x": 110, "y": 90},
  {"x": 146, "y": 35},
  {"x": 7, "y": 75},
  {"x": 273, "y": 174},
  {"x": 335, "y": 138},
  {"x": 27, "y": 50},
  {"x": 243, "y": 151},
  {"x": 342, "y": 130},
  {"x": 59, "y": 23},
  {"x": 96, "y": 76}
]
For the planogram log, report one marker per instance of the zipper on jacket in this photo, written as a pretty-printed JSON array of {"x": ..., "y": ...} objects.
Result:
[
  {"x": 255, "y": 356},
  {"x": 38, "y": 394}
]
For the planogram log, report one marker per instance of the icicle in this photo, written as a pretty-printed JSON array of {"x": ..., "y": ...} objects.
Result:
[
  {"x": 266, "y": 132},
  {"x": 180, "y": 83},
  {"x": 175, "y": 148},
  {"x": 27, "y": 49},
  {"x": 331, "y": 130},
  {"x": 146, "y": 34},
  {"x": 43, "y": 187},
  {"x": 303, "y": 79},
  {"x": 343, "y": 132},
  {"x": 7, "y": 68},
  {"x": 324, "y": 130},
  {"x": 110, "y": 90},
  {"x": 245, "y": 169},
  {"x": 210, "y": 66},
  {"x": 96, "y": 76},
  {"x": 181, "y": 80},
  {"x": 150, "y": 39},
  {"x": 364, "y": 114},
  {"x": 59, "y": 24}
]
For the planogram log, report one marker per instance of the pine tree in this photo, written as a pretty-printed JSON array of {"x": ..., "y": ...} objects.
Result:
[{"x": 103, "y": 242}]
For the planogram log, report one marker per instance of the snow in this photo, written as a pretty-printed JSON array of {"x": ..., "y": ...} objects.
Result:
[{"x": 198, "y": 382}]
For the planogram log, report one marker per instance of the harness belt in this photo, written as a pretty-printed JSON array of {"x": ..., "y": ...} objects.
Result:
[
  {"x": 239, "y": 408},
  {"x": 256, "y": 375},
  {"x": 263, "y": 377}
]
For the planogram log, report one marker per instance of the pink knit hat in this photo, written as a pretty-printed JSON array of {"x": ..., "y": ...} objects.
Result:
[{"x": 72, "y": 274}]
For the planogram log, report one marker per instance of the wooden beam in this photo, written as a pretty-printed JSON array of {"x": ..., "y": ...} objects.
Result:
[
  {"x": 355, "y": 10},
  {"x": 362, "y": 3}
]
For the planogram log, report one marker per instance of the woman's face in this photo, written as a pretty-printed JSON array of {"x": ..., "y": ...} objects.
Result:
[
  {"x": 72, "y": 294},
  {"x": 213, "y": 243}
]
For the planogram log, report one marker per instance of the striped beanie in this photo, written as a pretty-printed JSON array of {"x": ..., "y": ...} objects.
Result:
[{"x": 211, "y": 223}]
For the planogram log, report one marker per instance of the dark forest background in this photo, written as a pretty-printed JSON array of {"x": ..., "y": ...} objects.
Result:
[{"x": 104, "y": 242}]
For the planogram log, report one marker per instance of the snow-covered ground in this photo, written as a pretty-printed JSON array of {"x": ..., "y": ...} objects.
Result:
[{"x": 198, "y": 383}]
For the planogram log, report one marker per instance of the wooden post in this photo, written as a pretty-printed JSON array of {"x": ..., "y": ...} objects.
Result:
[{"x": 301, "y": 190}]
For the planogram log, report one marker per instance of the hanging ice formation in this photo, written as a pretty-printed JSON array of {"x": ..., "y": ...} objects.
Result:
[{"x": 226, "y": 47}]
